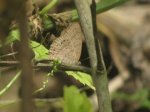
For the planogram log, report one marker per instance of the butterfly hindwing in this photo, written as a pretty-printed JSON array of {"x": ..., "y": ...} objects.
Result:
[{"x": 68, "y": 46}]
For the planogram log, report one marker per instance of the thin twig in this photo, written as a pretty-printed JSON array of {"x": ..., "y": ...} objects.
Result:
[
  {"x": 10, "y": 83},
  {"x": 62, "y": 66},
  {"x": 36, "y": 100}
]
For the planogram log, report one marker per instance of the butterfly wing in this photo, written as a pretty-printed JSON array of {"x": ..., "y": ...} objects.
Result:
[{"x": 68, "y": 46}]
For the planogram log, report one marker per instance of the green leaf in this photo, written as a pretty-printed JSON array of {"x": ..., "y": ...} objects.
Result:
[
  {"x": 105, "y": 5},
  {"x": 82, "y": 77},
  {"x": 39, "y": 50},
  {"x": 74, "y": 101},
  {"x": 13, "y": 35},
  {"x": 102, "y": 6}
]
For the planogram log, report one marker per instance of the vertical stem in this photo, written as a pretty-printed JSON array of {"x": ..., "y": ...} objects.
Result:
[
  {"x": 100, "y": 80},
  {"x": 25, "y": 60},
  {"x": 99, "y": 74},
  {"x": 87, "y": 27}
]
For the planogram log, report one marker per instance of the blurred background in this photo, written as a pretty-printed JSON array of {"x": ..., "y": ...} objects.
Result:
[{"x": 124, "y": 34}]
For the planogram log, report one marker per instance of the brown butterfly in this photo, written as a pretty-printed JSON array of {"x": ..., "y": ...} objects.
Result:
[{"x": 67, "y": 47}]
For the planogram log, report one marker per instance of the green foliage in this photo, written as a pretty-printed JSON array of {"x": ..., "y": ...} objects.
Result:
[
  {"x": 102, "y": 6},
  {"x": 74, "y": 101},
  {"x": 56, "y": 63},
  {"x": 82, "y": 77},
  {"x": 48, "y": 7},
  {"x": 105, "y": 5},
  {"x": 44, "y": 82},
  {"x": 140, "y": 97},
  {"x": 13, "y": 35},
  {"x": 39, "y": 50},
  {"x": 10, "y": 83}
]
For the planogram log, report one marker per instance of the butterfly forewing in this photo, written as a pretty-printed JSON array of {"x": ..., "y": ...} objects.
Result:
[{"x": 68, "y": 46}]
